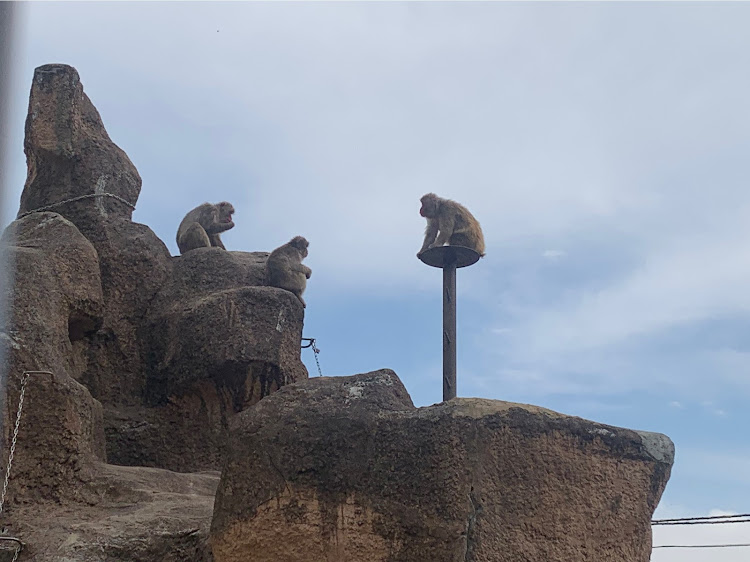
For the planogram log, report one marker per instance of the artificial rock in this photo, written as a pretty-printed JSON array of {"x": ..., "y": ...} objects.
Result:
[
  {"x": 347, "y": 469},
  {"x": 149, "y": 356}
]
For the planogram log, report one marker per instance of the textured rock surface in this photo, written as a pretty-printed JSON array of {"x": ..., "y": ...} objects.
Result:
[
  {"x": 70, "y": 156},
  {"x": 150, "y": 356},
  {"x": 173, "y": 346},
  {"x": 347, "y": 469},
  {"x": 154, "y": 357},
  {"x": 53, "y": 310},
  {"x": 69, "y": 153},
  {"x": 132, "y": 514},
  {"x": 58, "y": 299},
  {"x": 213, "y": 347}
]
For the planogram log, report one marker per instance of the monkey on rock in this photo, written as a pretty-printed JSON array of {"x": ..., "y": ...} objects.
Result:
[
  {"x": 201, "y": 227},
  {"x": 284, "y": 267},
  {"x": 449, "y": 222}
]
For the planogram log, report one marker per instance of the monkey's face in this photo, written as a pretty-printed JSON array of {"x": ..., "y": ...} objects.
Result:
[
  {"x": 226, "y": 210},
  {"x": 300, "y": 243},
  {"x": 429, "y": 208}
]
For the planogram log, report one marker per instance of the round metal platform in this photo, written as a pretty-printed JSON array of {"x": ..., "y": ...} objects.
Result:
[{"x": 442, "y": 255}]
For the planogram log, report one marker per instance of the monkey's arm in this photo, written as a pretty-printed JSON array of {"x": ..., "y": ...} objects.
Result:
[
  {"x": 216, "y": 241},
  {"x": 446, "y": 226},
  {"x": 210, "y": 219},
  {"x": 429, "y": 234},
  {"x": 299, "y": 268}
]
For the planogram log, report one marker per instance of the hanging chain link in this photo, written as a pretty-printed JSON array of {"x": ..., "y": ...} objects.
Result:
[
  {"x": 18, "y": 543},
  {"x": 74, "y": 199},
  {"x": 315, "y": 351},
  {"x": 24, "y": 380}
]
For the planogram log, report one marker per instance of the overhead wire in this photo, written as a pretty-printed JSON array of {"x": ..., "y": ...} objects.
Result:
[
  {"x": 707, "y": 517},
  {"x": 701, "y": 545},
  {"x": 706, "y": 520}
]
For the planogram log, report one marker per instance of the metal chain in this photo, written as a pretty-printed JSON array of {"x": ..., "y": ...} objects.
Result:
[
  {"x": 315, "y": 351},
  {"x": 17, "y": 542},
  {"x": 74, "y": 199},
  {"x": 16, "y": 553},
  {"x": 24, "y": 380}
]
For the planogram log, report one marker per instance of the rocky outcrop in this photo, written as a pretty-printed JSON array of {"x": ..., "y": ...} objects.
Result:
[
  {"x": 346, "y": 469},
  {"x": 70, "y": 155},
  {"x": 173, "y": 346},
  {"x": 58, "y": 304},
  {"x": 215, "y": 343},
  {"x": 75, "y": 170},
  {"x": 148, "y": 359},
  {"x": 63, "y": 501}
]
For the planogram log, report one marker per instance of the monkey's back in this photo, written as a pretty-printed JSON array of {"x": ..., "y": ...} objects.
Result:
[
  {"x": 467, "y": 232},
  {"x": 280, "y": 269}
]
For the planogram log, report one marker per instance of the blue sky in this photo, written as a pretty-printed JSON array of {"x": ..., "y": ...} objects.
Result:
[{"x": 603, "y": 147}]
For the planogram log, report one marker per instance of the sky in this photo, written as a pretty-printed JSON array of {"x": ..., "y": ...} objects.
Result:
[{"x": 602, "y": 146}]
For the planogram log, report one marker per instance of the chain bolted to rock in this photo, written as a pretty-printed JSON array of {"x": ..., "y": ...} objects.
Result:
[
  {"x": 24, "y": 380},
  {"x": 316, "y": 350}
]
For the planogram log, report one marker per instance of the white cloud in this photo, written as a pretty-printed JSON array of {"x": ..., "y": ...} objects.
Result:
[
  {"x": 554, "y": 255},
  {"x": 672, "y": 287}
]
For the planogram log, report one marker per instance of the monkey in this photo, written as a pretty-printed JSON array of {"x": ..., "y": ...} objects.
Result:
[
  {"x": 451, "y": 222},
  {"x": 201, "y": 227},
  {"x": 284, "y": 267}
]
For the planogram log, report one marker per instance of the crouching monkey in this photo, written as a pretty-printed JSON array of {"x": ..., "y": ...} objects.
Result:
[
  {"x": 449, "y": 222},
  {"x": 284, "y": 267},
  {"x": 201, "y": 227}
]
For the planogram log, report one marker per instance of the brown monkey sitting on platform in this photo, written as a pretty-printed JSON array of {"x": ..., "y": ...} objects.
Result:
[
  {"x": 201, "y": 227},
  {"x": 451, "y": 222},
  {"x": 284, "y": 267}
]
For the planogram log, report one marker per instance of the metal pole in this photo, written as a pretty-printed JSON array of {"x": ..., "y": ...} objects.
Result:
[{"x": 449, "y": 327}]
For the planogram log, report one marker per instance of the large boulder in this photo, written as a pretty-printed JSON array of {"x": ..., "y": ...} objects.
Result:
[
  {"x": 134, "y": 264},
  {"x": 214, "y": 319},
  {"x": 55, "y": 307},
  {"x": 215, "y": 343},
  {"x": 74, "y": 168},
  {"x": 346, "y": 469}
]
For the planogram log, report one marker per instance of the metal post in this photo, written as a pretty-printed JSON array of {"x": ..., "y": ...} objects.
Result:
[
  {"x": 449, "y": 327},
  {"x": 449, "y": 258}
]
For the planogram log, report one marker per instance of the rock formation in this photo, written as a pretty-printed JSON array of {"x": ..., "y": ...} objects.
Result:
[
  {"x": 347, "y": 469},
  {"x": 149, "y": 359},
  {"x": 154, "y": 307},
  {"x": 150, "y": 355}
]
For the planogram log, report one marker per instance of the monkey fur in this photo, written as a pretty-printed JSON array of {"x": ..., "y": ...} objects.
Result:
[
  {"x": 451, "y": 222},
  {"x": 284, "y": 267},
  {"x": 201, "y": 227}
]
